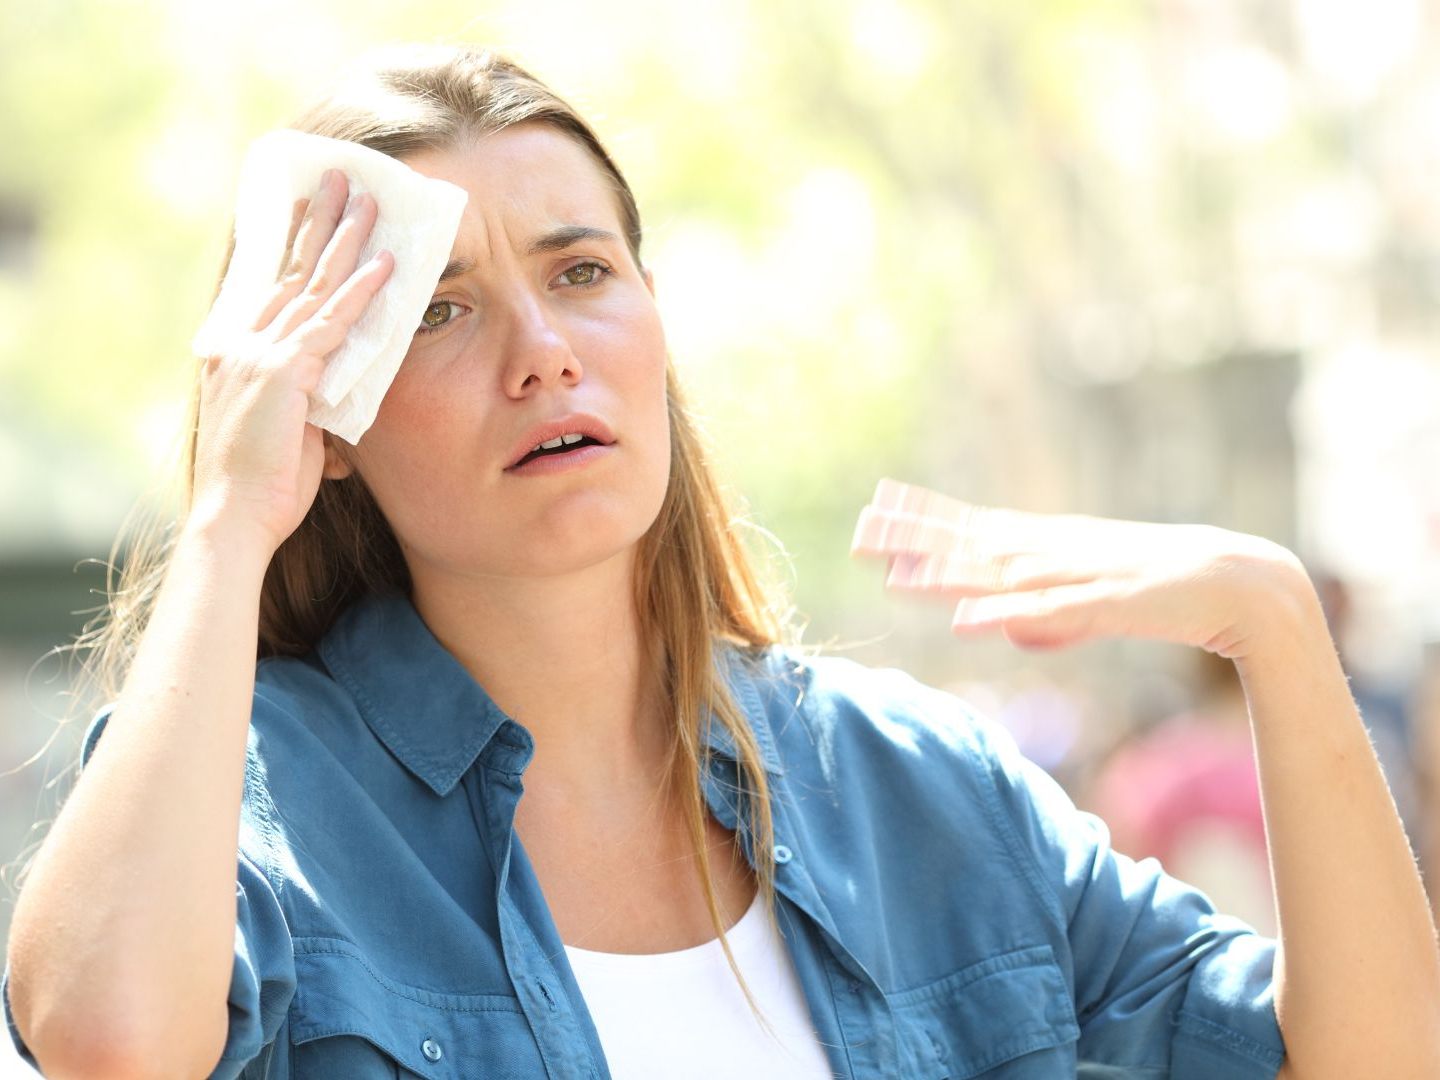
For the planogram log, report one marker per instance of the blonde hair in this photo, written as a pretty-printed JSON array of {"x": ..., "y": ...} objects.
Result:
[{"x": 695, "y": 585}]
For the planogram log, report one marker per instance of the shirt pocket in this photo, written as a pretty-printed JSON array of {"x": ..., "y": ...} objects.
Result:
[
  {"x": 347, "y": 1019},
  {"x": 1009, "y": 1016}
]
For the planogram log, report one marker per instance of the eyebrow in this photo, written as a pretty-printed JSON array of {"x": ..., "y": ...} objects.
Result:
[{"x": 554, "y": 240}]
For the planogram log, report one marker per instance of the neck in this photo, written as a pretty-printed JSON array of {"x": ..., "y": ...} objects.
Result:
[{"x": 564, "y": 657}]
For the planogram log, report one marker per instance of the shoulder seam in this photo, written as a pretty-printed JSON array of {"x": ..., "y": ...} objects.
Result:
[{"x": 265, "y": 813}]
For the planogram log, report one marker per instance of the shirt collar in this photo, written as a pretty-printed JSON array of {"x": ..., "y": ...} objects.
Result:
[
  {"x": 435, "y": 718},
  {"x": 417, "y": 698},
  {"x": 739, "y": 672}
]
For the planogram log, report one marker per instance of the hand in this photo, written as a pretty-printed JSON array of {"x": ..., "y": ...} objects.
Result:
[
  {"x": 1051, "y": 580},
  {"x": 258, "y": 462}
]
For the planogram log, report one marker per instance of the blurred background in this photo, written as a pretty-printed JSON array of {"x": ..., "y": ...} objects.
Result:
[{"x": 1175, "y": 260}]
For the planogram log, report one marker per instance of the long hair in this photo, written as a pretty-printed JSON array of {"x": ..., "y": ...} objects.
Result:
[{"x": 695, "y": 585}]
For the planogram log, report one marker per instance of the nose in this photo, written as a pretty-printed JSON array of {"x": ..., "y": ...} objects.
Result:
[{"x": 538, "y": 354}]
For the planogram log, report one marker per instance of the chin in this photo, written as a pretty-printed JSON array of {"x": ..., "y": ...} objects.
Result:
[{"x": 586, "y": 530}]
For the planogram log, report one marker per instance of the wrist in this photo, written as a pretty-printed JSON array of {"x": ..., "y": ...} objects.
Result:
[
  {"x": 1286, "y": 626},
  {"x": 239, "y": 546}
]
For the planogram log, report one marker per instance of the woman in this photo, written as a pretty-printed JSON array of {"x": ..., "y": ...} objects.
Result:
[{"x": 912, "y": 898}]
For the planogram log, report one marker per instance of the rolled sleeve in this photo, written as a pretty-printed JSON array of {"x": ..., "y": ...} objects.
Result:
[
  {"x": 16, "y": 1041},
  {"x": 262, "y": 982},
  {"x": 1162, "y": 982}
]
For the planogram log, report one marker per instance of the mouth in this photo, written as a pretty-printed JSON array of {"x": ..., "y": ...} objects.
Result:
[
  {"x": 559, "y": 446},
  {"x": 559, "y": 443}
]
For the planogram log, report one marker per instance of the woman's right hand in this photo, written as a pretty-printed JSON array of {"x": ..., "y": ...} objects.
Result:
[{"x": 258, "y": 462}]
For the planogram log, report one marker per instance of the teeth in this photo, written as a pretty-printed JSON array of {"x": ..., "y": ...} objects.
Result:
[{"x": 551, "y": 444}]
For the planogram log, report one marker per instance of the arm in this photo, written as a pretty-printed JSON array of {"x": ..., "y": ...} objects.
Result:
[
  {"x": 123, "y": 937},
  {"x": 1358, "y": 977},
  {"x": 123, "y": 942}
]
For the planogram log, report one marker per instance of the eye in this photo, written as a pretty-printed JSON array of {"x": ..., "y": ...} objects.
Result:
[
  {"x": 587, "y": 274},
  {"x": 437, "y": 316}
]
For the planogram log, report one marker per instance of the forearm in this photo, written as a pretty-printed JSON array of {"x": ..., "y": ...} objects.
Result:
[
  {"x": 123, "y": 935},
  {"x": 1358, "y": 974}
]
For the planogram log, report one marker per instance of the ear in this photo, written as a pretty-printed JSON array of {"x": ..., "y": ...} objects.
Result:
[
  {"x": 649, "y": 279},
  {"x": 336, "y": 467}
]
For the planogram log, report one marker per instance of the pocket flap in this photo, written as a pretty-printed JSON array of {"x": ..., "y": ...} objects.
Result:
[
  {"x": 432, "y": 1034},
  {"x": 987, "y": 1014}
]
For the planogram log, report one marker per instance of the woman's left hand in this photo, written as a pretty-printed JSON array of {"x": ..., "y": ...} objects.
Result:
[{"x": 1050, "y": 580}]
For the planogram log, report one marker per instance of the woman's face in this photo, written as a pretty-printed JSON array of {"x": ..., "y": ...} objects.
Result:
[{"x": 546, "y": 329}]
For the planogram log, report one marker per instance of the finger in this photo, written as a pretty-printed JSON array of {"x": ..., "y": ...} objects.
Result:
[
  {"x": 907, "y": 519},
  {"x": 883, "y": 532},
  {"x": 896, "y": 496},
  {"x": 317, "y": 227},
  {"x": 983, "y": 532},
  {"x": 297, "y": 217},
  {"x": 954, "y": 575},
  {"x": 336, "y": 264},
  {"x": 311, "y": 223},
  {"x": 324, "y": 331},
  {"x": 1043, "y": 618},
  {"x": 914, "y": 499},
  {"x": 900, "y": 514},
  {"x": 898, "y": 511},
  {"x": 893, "y": 496}
]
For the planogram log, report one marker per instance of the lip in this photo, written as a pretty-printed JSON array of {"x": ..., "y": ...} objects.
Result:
[{"x": 575, "y": 423}]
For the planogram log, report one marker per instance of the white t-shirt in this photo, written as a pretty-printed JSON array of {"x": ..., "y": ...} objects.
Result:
[{"x": 683, "y": 1015}]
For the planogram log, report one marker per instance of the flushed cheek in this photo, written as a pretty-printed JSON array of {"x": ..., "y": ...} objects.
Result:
[
  {"x": 424, "y": 423},
  {"x": 415, "y": 396},
  {"x": 409, "y": 458},
  {"x": 640, "y": 371}
]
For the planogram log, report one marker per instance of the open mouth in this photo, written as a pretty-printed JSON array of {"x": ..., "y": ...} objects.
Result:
[{"x": 564, "y": 444}]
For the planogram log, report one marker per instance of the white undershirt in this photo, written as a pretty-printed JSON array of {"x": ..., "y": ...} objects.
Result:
[{"x": 683, "y": 1014}]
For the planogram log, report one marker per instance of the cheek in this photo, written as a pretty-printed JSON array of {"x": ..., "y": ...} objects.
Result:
[
  {"x": 415, "y": 427},
  {"x": 425, "y": 413},
  {"x": 647, "y": 390},
  {"x": 410, "y": 395},
  {"x": 646, "y": 360}
]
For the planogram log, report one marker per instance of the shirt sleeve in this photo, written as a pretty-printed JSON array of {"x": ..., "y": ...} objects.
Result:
[
  {"x": 15, "y": 1040},
  {"x": 262, "y": 981},
  {"x": 1162, "y": 981}
]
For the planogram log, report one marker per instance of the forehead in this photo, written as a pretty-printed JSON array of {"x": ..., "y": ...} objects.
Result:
[{"x": 531, "y": 172}]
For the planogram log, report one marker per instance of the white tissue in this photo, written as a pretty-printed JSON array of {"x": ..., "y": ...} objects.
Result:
[{"x": 418, "y": 218}]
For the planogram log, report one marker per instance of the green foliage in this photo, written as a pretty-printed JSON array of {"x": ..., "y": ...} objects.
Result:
[{"x": 887, "y": 235}]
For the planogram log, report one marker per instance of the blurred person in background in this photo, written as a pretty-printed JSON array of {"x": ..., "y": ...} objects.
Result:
[
  {"x": 1185, "y": 791},
  {"x": 445, "y": 621}
]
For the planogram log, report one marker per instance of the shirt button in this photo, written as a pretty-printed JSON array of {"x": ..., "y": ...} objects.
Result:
[
  {"x": 431, "y": 1049},
  {"x": 783, "y": 854}
]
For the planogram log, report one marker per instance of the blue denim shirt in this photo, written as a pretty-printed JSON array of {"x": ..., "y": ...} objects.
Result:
[{"x": 948, "y": 910}]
